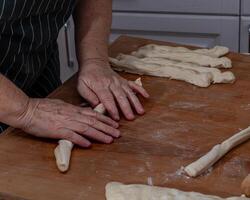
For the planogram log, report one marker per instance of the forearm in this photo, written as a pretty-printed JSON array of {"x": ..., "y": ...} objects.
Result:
[
  {"x": 13, "y": 103},
  {"x": 92, "y": 24}
]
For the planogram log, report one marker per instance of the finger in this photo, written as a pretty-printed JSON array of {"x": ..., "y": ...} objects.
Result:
[
  {"x": 123, "y": 102},
  {"x": 94, "y": 123},
  {"x": 107, "y": 120},
  {"x": 104, "y": 128},
  {"x": 100, "y": 117},
  {"x": 77, "y": 113},
  {"x": 139, "y": 89},
  {"x": 97, "y": 135},
  {"x": 134, "y": 100},
  {"x": 89, "y": 132},
  {"x": 88, "y": 94},
  {"x": 108, "y": 101},
  {"x": 75, "y": 138}
]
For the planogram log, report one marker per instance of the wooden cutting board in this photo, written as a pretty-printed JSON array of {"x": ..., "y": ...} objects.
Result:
[{"x": 182, "y": 122}]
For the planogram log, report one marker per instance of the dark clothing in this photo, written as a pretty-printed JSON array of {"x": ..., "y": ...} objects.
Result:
[{"x": 29, "y": 52}]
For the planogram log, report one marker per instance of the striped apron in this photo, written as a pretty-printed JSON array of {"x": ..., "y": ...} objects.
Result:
[{"x": 28, "y": 48}]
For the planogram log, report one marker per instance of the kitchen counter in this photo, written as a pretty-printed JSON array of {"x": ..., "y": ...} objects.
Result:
[{"x": 182, "y": 122}]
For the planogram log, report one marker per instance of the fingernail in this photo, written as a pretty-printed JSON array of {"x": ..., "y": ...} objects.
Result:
[
  {"x": 131, "y": 116},
  {"x": 118, "y": 133},
  {"x": 109, "y": 140},
  {"x": 141, "y": 111},
  {"x": 117, "y": 118},
  {"x": 116, "y": 125},
  {"x": 88, "y": 145}
]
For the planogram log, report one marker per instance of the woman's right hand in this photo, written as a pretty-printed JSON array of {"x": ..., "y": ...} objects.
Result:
[{"x": 57, "y": 119}]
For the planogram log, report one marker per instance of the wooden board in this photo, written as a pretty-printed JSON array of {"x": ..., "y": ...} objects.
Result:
[{"x": 182, "y": 122}]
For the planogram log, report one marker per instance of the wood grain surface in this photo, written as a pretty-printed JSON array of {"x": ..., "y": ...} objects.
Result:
[{"x": 182, "y": 122}]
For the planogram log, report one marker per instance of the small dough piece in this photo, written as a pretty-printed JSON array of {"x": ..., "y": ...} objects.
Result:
[
  {"x": 62, "y": 154},
  {"x": 218, "y": 76},
  {"x": 100, "y": 108},
  {"x": 134, "y": 65},
  {"x": 119, "y": 191},
  {"x": 245, "y": 186},
  {"x": 215, "y": 52},
  {"x": 190, "y": 57},
  {"x": 138, "y": 81},
  {"x": 217, "y": 152}
]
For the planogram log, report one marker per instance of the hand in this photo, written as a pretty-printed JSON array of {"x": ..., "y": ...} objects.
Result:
[
  {"x": 59, "y": 120},
  {"x": 97, "y": 82}
]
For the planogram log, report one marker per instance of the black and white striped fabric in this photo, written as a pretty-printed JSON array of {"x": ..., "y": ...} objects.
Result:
[{"x": 28, "y": 47}]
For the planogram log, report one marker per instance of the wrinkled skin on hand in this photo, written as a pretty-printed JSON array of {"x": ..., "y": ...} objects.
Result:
[
  {"x": 97, "y": 83},
  {"x": 60, "y": 120}
]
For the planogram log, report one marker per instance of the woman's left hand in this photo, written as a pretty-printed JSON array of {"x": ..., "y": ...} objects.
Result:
[{"x": 97, "y": 82}]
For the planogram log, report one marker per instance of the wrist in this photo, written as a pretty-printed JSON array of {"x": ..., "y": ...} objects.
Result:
[
  {"x": 24, "y": 116},
  {"x": 92, "y": 51},
  {"x": 95, "y": 60},
  {"x": 13, "y": 112},
  {"x": 93, "y": 64}
]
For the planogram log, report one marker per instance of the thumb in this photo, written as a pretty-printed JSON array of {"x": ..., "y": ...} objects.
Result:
[{"x": 88, "y": 94}]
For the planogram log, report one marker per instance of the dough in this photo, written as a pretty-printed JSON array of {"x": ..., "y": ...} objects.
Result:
[
  {"x": 245, "y": 186},
  {"x": 191, "y": 57},
  {"x": 63, "y": 151},
  {"x": 215, "y": 52},
  {"x": 100, "y": 108},
  {"x": 138, "y": 81},
  {"x": 135, "y": 65},
  {"x": 119, "y": 191},
  {"x": 217, "y": 152},
  {"x": 218, "y": 76}
]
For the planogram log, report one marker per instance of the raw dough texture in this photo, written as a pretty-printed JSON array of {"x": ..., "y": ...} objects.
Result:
[
  {"x": 191, "y": 57},
  {"x": 217, "y": 152},
  {"x": 119, "y": 191},
  {"x": 135, "y": 65},
  {"x": 62, "y": 154},
  {"x": 215, "y": 52},
  {"x": 245, "y": 186},
  {"x": 217, "y": 75}
]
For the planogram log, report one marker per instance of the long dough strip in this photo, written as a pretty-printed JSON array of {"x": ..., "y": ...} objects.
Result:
[
  {"x": 134, "y": 65},
  {"x": 216, "y": 153},
  {"x": 190, "y": 57},
  {"x": 63, "y": 151},
  {"x": 215, "y": 52},
  {"x": 119, "y": 191},
  {"x": 218, "y": 76}
]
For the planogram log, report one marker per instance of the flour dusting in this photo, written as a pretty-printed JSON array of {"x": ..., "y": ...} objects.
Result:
[{"x": 187, "y": 105}]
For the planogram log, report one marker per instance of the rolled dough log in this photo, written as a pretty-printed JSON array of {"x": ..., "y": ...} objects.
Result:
[
  {"x": 215, "y": 52},
  {"x": 190, "y": 57},
  {"x": 63, "y": 151},
  {"x": 217, "y": 75},
  {"x": 133, "y": 64},
  {"x": 217, "y": 152},
  {"x": 119, "y": 191}
]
